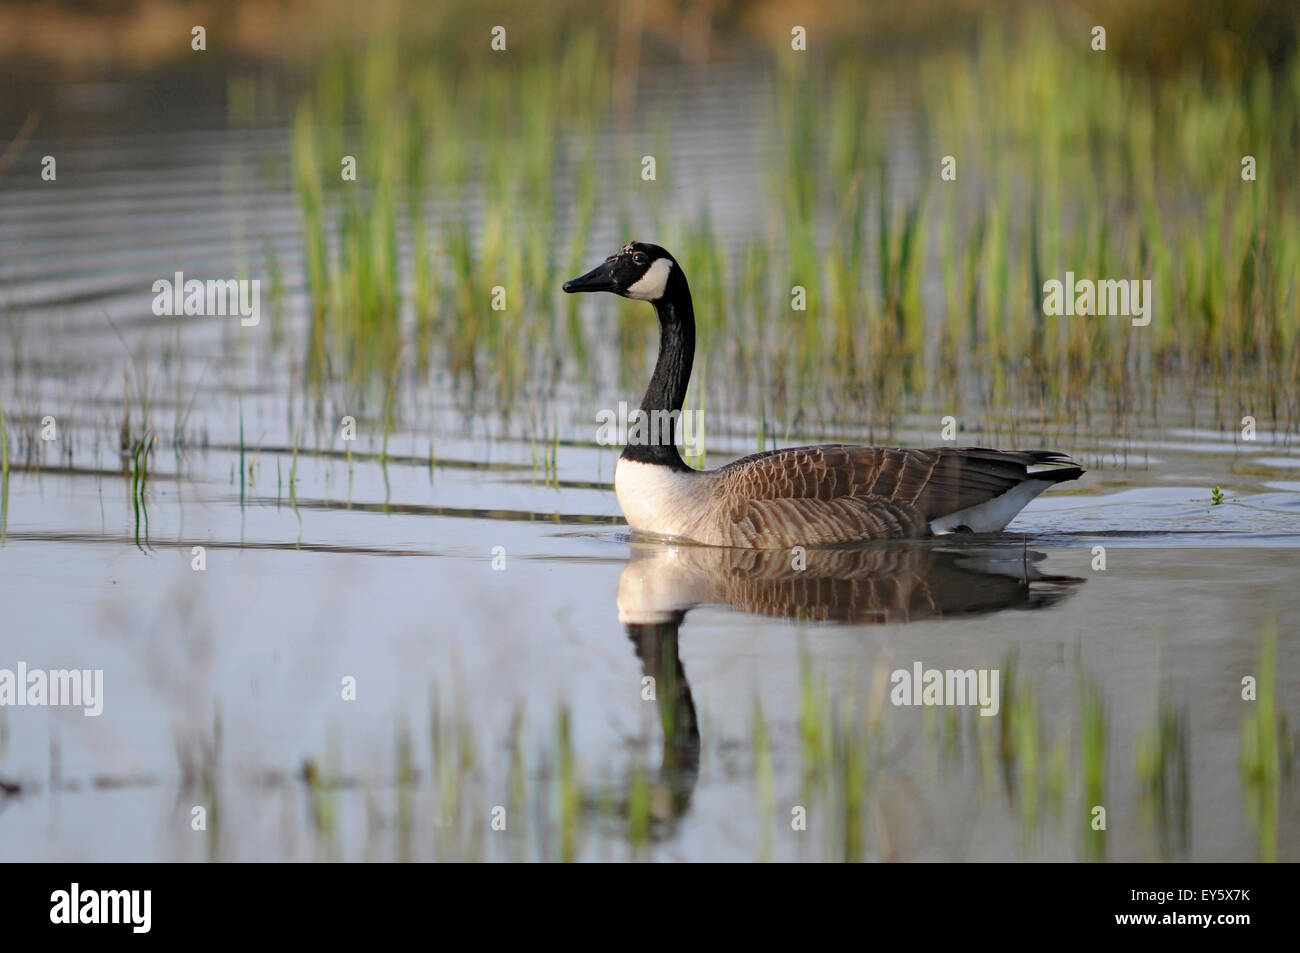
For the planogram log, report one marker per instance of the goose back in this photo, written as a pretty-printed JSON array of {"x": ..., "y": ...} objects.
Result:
[{"x": 830, "y": 494}]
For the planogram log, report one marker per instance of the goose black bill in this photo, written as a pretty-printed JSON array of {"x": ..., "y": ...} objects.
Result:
[{"x": 600, "y": 278}]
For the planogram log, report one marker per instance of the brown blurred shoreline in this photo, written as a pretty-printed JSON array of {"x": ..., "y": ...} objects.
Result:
[{"x": 77, "y": 40}]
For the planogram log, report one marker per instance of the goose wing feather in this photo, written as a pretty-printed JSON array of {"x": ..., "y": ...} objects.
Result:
[
  {"x": 837, "y": 493},
  {"x": 814, "y": 522}
]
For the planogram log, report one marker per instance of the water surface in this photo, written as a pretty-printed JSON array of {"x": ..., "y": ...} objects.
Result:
[{"x": 467, "y": 565}]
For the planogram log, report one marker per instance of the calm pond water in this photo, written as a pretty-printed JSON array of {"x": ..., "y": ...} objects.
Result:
[{"x": 481, "y": 596}]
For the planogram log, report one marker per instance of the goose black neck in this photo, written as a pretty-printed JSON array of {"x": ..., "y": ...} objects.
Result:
[{"x": 662, "y": 404}]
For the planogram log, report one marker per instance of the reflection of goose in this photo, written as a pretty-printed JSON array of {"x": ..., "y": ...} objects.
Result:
[
  {"x": 807, "y": 496},
  {"x": 895, "y": 583},
  {"x": 656, "y": 647}
]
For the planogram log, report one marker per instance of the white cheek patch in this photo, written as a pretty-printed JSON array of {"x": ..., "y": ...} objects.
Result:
[{"x": 651, "y": 285}]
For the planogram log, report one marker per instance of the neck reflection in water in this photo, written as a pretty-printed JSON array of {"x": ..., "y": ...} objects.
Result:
[{"x": 884, "y": 583}]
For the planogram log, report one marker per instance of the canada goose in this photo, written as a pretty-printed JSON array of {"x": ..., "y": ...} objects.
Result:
[{"x": 801, "y": 496}]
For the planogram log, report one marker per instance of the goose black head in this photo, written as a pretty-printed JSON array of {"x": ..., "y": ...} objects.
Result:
[{"x": 637, "y": 270}]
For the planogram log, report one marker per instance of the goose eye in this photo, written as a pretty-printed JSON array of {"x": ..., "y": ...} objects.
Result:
[{"x": 639, "y": 258}]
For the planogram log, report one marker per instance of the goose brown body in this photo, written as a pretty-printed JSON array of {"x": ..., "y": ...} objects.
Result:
[
  {"x": 802, "y": 496},
  {"x": 830, "y": 494}
]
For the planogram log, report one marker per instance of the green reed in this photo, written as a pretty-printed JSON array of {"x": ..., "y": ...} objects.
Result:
[
  {"x": 1163, "y": 773},
  {"x": 139, "y": 485},
  {"x": 1267, "y": 749},
  {"x": 761, "y": 749},
  {"x": 1093, "y": 733},
  {"x": 482, "y": 174},
  {"x": 1065, "y": 161},
  {"x": 445, "y": 236}
]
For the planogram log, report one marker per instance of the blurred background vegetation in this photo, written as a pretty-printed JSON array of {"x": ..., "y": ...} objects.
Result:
[
  {"x": 1219, "y": 38},
  {"x": 484, "y": 171}
]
